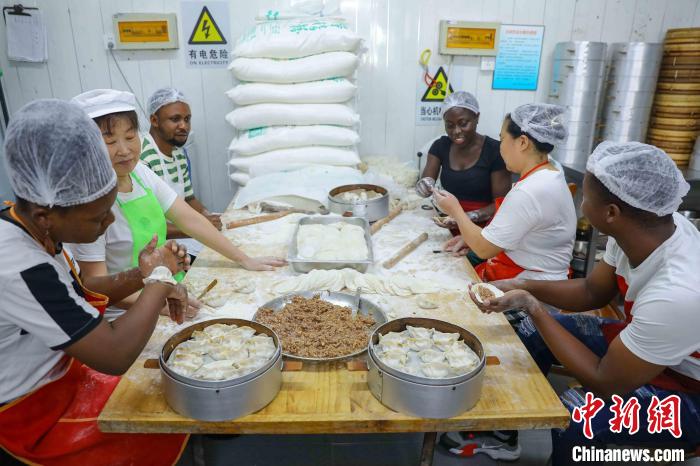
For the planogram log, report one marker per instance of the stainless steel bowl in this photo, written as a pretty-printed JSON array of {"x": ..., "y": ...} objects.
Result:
[
  {"x": 220, "y": 400},
  {"x": 372, "y": 209},
  {"x": 422, "y": 396},
  {"x": 367, "y": 308}
]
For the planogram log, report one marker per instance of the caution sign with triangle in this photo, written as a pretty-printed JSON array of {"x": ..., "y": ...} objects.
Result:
[
  {"x": 206, "y": 31},
  {"x": 437, "y": 90}
]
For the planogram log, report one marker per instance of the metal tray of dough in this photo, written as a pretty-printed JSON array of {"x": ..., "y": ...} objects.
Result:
[
  {"x": 367, "y": 308},
  {"x": 301, "y": 265}
]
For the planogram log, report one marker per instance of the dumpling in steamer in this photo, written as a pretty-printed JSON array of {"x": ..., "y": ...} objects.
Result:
[
  {"x": 431, "y": 355},
  {"x": 444, "y": 340},
  {"x": 420, "y": 344},
  {"x": 435, "y": 370},
  {"x": 220, "y": 353},
  {"x": 217, "y": 370},
  {"x": 395, "y": 359},
  {"x": 244, "y": 331},
  {"x": 418, "y": 332}
]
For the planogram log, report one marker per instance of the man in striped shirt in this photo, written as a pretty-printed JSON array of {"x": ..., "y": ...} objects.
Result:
[{"x": 163, "y": 152}]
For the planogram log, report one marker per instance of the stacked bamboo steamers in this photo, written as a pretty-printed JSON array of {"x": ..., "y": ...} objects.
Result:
[
  {"x": 675, "y": 118},
  {"x": 578, "y": 71},
  {"x": 629, "y": 91}
]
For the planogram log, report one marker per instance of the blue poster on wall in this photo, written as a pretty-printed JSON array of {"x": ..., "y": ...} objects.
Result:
[{"x": 518, "y": 59}]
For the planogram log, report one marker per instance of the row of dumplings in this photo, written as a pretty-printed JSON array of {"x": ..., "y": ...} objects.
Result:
[
  {"x": 426, "y": 352},
  {"x": 221, "y": 352}
]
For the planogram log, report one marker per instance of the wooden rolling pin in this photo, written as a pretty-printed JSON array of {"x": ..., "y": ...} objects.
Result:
[
  {"x": 383, "y": 221},
  {"x": 256, "y": 220},
  {"x": 405, "y": 251}
]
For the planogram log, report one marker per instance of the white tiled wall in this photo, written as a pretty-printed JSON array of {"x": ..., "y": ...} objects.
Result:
[{"x": 395, "y": 31}]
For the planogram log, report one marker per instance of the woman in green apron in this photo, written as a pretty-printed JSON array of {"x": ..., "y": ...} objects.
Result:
[{"x": 144, "y": 201}]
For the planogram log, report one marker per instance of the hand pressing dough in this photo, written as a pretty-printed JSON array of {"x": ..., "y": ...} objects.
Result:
[{"x": 425, "y": 303}]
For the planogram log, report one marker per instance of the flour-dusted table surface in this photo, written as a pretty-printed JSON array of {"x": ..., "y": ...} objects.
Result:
[{"x": 328, "y": 398}]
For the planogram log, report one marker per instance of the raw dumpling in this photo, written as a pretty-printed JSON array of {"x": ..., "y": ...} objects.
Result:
[
  {"x": 435, "y": 370},
  {"x": 251, "y": 365},
  {"x": 395, "y": 359},
  {"x": 420, "y": 344},
  {"x": 220, "y": 353},
  {"x": 398, "y": 338},
  {"x": 425, "y": 303},
  {"x": 418, "y": 332},
  {"x": 444, "y": 340},
  {"x": 244, "y": 331},
  {"x": 216, "y": 330},
  {"x": 431, "y": 355},
  {"x": 217, "y": 370}
]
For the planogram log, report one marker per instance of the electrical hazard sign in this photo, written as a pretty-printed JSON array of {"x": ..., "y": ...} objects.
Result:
[
  {"x": 206, "y": 30},
  {"x": 208, "y": 23}
]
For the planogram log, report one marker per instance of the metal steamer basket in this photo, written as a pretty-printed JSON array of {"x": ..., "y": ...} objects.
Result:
[
  {"x": 366, "y": 308},
  {"x": 371, "y": 209},
  {"x": 221, "y": 400},
  {"x": 301, "y": 265},
  {"x": 421, "y": 396}
]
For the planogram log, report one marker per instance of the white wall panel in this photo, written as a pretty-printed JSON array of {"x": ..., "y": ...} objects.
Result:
[{"x": 389, "y": 78}]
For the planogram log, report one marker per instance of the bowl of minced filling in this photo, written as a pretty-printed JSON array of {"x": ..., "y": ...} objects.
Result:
[{"x": 320, "y": 326}]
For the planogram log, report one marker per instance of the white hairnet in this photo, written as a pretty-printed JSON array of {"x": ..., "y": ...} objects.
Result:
[
  {"x": 544, "y": 122},
  {"x": 164, "y": 96},
  {"x": 55, "y": 155},
  {"x": 639, "y": 174},
  {"x": 100, "y": 102},
  {"x": 460, "y": 99}
]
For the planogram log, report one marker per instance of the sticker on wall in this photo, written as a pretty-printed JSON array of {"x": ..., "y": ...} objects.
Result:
[
  {"x": 207, "y": 24},
  {"x": 437, "y": 87}
]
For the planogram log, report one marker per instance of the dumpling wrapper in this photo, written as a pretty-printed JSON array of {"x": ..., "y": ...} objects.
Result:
[
  {"x": 444, "y": 340},
  {"x": 420, "y": 344},
  {"x": 484, "y": 291},
  {"x": 395, "y": 359}
]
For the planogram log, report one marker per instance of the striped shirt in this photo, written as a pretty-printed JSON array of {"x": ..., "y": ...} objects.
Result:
[{"x": 173, "y": 170}]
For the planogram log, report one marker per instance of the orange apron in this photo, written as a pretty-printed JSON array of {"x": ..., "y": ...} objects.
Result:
[
  {"x": 56, "y": 424},
  {"x": 501, "y": 266},
  {"x": 668, "y": 379}
]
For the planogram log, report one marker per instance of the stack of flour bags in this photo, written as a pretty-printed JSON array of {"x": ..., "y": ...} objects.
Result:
[{"x": 294, "y": 98}]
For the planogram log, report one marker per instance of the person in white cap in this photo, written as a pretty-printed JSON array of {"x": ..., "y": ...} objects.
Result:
[
  {"x": 60, "y": 357},
  {"x": 532, "y": 232},
  {"x": 163, "y": 150},
  {"x": 468, "y": 164},
  {"x": 144, "y": 201},
  {"x": 631, "y": 192}
]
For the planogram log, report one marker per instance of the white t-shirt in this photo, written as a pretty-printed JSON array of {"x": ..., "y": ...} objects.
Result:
[
  {"x": 536, "y": 226},
  {"x": 665, "y": 290},
  {"x": 115, "y": 246},
  {"x": 41, "y": 312}
]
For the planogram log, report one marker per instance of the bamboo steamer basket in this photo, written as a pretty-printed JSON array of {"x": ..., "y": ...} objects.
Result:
[
  {"x": 690, "y": 48},
  {"x": 683, "y": 63},
  {"x": 672, "y": 135},
  {"x": 675, "y": 123},
  {"x": 678, "y": 147},
  {"x": 678, "y": 88},
  {"x": 682, "y": 33},
  {"x": 691, "y": 101},
  {"x": 675, "y": 112}
]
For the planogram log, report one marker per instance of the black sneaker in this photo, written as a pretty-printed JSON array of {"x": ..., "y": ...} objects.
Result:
[{"x": 499, "y": 445}]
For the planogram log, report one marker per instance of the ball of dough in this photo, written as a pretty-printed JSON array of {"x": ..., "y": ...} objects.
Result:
[{"x": 425, "y": 303}]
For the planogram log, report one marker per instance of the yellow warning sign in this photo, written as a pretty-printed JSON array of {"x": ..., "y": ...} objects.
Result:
[
  {"x": 143, "y": 31},
  {"x": 206, "y": 31},
  {"x": 437, "y": 90}
]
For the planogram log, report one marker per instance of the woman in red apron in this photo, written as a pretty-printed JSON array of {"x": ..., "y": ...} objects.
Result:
[
  {"x": 60, "y": 364},
  {"x": 527, "y": 137},
  {"x": 468, "y": 164}
]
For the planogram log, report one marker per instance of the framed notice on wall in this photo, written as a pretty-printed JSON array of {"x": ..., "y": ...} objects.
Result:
[{"x": 518, "y": 59}]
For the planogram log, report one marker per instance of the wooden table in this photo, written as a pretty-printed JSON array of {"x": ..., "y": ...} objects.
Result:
[{"x": 328, "y": 398}]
